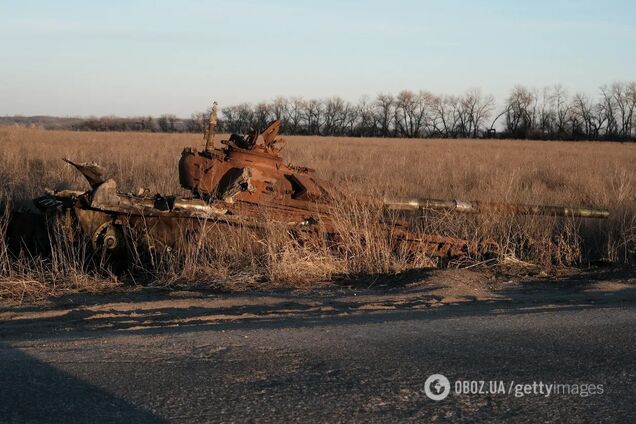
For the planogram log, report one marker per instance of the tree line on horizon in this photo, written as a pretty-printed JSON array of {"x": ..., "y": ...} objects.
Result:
[{"x": 548, "y": 113}]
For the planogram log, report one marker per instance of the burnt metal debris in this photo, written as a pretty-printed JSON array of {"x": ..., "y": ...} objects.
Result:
[{"x": 240, "y": 182}]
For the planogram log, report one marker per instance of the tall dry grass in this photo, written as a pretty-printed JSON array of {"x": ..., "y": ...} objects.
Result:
[{"x": 591, "y": 174}]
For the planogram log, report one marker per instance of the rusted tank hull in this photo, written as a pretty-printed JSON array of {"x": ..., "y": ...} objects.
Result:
[
  {"x": 117, "y": 231},
  {"x": 241, "y": 185}
]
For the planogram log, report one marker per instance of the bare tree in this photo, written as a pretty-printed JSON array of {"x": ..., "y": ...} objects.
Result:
[
  {"x": 351, "y": 118},
  {"x": 262, "y": 116},
  {"x": 559, "y": 99},
  {"x": 413, "y": 113},
  {"x": 294, "y": 115},
  {"x": 476, "y": 108},
  {"x": 313, "y": 116},
  {"x": 385, "y": 106},
  {"x": 587, "y": 121},
  {"x": 623, "y": 96},
  {"x": 546, "y": 116},
  {"x": 334, "y": 116},
  {"x": 446, "y": 115},
  {"x": 279, "y": 107},
  {"x": 167, "y": 123},
  {"x": 519, "y": 115},
  {"x": 197, "y": 121},
  {"x": 607, "y": 110},
  {"x": 546, "y": 113},
  {"x": 367, "y": 119},
  {"x": 631, "y": 101}
]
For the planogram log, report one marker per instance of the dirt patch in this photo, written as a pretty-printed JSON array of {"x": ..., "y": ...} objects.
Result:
[
  {"x": 144, "y": 309},
  {"x": 463, "y": 285}
]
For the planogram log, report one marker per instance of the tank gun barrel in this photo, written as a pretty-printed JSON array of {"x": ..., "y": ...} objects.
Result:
[{"x": 476, "y": 207}]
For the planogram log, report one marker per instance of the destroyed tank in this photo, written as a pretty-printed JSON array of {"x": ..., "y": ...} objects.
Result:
[
  {"x": 248, "y": 177},
  {"x": 244, "y": 182}
]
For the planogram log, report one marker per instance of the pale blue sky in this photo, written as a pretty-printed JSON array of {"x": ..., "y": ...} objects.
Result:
[{"x": 152, "y": 57}]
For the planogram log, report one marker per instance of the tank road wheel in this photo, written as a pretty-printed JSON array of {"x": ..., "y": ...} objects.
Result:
[
  {"x": 107, "y": 237},
  {"x": 108, "y": 242}
]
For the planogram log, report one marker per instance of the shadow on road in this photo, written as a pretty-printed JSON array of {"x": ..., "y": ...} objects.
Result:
[
  {"x": 162, "y": 312},
  {"x": 33, "y": 391}
]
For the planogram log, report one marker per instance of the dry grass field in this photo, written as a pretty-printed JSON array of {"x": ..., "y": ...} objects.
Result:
[{"x": 590, "y": 174}]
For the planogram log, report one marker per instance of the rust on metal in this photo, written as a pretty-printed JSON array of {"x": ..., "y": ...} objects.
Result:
[{"x": 95, "y": 174}]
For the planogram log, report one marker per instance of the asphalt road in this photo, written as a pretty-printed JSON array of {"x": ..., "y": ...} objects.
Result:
[{"x": 370, "y": 366}]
